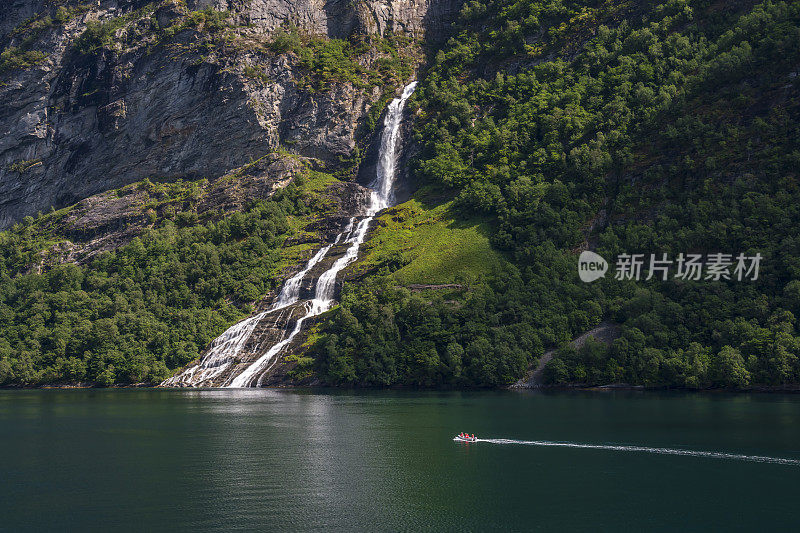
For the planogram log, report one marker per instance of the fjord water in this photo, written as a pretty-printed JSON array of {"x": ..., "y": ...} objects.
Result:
[{"x": 267, "y": 459}]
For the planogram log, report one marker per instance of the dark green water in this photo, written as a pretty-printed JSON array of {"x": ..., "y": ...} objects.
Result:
[{"x": 278, "y": 460}]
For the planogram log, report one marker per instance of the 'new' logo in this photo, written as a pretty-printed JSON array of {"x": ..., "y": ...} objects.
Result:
[{"x": 591, "y": 266}]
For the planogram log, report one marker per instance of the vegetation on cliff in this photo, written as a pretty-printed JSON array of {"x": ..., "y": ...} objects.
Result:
[{"x": 329, "y": 60}]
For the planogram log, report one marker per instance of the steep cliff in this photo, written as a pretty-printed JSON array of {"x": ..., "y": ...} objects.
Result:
[
  {"x": 342, "y": 18},
  {"x": 94, "y": 95}
]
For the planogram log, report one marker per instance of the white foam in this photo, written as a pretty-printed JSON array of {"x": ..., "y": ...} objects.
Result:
[{"x": 647, "y": 449}]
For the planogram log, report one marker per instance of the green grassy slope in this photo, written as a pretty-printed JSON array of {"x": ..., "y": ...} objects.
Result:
[{"x": 430, "y": 245}]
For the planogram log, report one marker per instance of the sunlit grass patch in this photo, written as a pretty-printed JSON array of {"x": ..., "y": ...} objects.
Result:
[{"x": 427, "y": 245}]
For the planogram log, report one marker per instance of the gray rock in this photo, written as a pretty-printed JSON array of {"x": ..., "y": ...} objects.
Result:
[
  {"x": 340, "y": 18},
  {"x": 78, "y": 125}
]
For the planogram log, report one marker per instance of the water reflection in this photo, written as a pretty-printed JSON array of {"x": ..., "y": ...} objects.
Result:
[{"x": 274, "y": 459}]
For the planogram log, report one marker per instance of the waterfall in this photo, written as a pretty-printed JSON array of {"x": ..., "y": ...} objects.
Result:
[
  {"x": 383, "y": 185},
  {"x": 224, "y": 349},
  {"x": 290, "y": 292},
  {"x": 382, "y": 196},
  {"x": 222, "y": 352}
]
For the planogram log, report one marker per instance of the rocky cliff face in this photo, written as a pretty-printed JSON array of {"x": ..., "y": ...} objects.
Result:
[
  {"x": 155, "y": 90},
  {"x": 341, "y": 18}
]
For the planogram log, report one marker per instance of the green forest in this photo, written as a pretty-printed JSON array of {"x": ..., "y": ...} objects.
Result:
[
  {"x": 553, "y": 126},
  {"x": 625, "y": 127},
  {"x": 136, "y": 314}
]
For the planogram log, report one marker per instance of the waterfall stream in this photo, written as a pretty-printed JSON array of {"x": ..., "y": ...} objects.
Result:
[{"x": 223, "y": 351}]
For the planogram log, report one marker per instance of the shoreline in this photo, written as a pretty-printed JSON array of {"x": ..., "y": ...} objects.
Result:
[{"x": 785, "y": 389}]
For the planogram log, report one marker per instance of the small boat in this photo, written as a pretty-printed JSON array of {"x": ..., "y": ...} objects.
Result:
[{"x": 465, "y": 437}]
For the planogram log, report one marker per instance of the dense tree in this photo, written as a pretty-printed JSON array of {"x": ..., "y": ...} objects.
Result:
[
  {"x": 135, "y": 314},
  {"x": 631, "y": 128}
]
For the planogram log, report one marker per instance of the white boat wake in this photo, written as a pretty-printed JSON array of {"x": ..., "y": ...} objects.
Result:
[{"x": 647, "y": 449}]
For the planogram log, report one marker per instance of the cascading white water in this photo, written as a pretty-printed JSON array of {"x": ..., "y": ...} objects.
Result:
[
  {"x": 326, "y": 284},
  {"x": 290, "y": 292},
  {"x": 225, "y": 348},
  {"x": 382, "y": 196},
  {"x": 222, "y": 352},
  {"x": 322, "y": 301},
  {"x": 383, "y": 185}
]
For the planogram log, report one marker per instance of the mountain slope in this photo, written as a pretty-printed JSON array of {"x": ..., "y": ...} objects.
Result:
[
  {"x": 541, "y": 129},
  {"x": 620, "y": 127}
]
